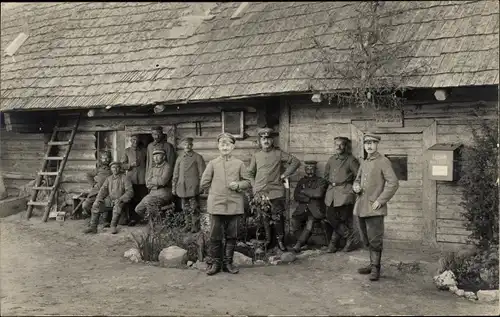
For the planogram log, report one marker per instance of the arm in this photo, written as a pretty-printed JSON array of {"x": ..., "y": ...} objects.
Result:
[
  {"x": 317, "y": 192},
  {"x": 245, "y": 180},
  {"x": 201, "y": 165},
  {"x": 326, "y": 174},
  {"x": 175, "y": 176},
  {"x": 206, "y": 178},
  {"x": 125, "y": 161},
  {"x": 149, "y": 179},
  {"x": 171, "y": 156},
  {"x": 391, "y": 182},
  {"x": 252, "y": 168},
  {"x": 90, "y": 177},
  {"x": 148, "y": 156},
  {"x": 129, "y": 191},
  {"x": 354, "y": 166},
  {"x": 103, "y": 192},
  {"x": 163, "y": 179},
  {"x": 298, "y": 195},
  {"x": 292, "y": 161}
]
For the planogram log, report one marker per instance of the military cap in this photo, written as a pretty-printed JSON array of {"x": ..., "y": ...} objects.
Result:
[
  {"x": 311, "y": 163},
  {"x": 188, "y": 140},
  {"x": 371, "y": 137},
  {"x": 157, "y": 128},
  {"x": 226, "y": 135},
  {"x": 115, "y": 163},
  {"x": 266, "y": 132},
  {"x": 341, "y": 138},
  {"x": 159, "y": 150}
]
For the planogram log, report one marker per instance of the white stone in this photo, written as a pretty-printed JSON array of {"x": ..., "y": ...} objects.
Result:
[
  {"x": 288, "y": 257},
  {"x": 190, "y": 263},
  {"x": 133, "y": 255},
  {"x": 445, "y": 280},
  {"x": 488, "y": 295},
  {"x": 259, "y": 262},
  {"x": 173, "y": 257},
  {"x": 453, "y": 289},
  {"x": 274, "y": 260},
  {"x": 202, "y": 266},
  {"x": 460, "y": 292},
  {"x": 308, "y": 253},
  {"x": 470, "y": 295},
  {"x": 240, "y": 259}
]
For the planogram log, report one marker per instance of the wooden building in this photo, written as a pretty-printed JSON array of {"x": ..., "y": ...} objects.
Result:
[{"x": 244, "y": 65}]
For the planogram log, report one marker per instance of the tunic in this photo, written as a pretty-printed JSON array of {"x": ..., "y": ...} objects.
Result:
[
  {"x": 309, "y": 193},
  {"x": 159, "y": 176},
  {"x": 187, "y": 174},
  {"x": 265, "y": 168},
  {"x": 378, "y": 183},
  {"x": 220, "y": 172},
  {"x": 136, "y": 174},
  {"x": 115, "y": 187},
  {"x": 169, "y": 157},
  {"x": 97, "y": 179},
  {"x": 340, "y": 170}
]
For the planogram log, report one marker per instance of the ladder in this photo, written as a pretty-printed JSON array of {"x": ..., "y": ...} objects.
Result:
[{"x": 45, "y": 172}]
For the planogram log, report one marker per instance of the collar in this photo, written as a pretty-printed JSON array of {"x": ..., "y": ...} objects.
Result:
[
  {"x": 340, "y": 156},
  {"x": 188, "y": 153},
  {"x": 116, "y": 176},
  {"x": 226, "y": 157},
  {"x": 161, "y": 140},
  {"x": 161, "y": 164},
  {"x": 372, "y": 157}
]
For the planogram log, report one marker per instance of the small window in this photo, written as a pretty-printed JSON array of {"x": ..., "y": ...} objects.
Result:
[
  {"x": 400, "y": 165},
  {"x": 233, "y": 122}
]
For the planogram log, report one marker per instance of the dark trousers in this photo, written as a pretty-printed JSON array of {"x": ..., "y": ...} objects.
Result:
[
  {"x": 340, "y": 219},
  {"x": 224, "y": 226},
  {"x": 140, "y": 191},
  {"x": 278, "y": 215},
  {"x": 372, "y": 232}
]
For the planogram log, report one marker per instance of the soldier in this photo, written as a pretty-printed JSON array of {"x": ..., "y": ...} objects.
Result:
[
  {"x": 186, "y": 183},
  {"x": 376, "y": 183},
  {"x": 160, "y": 141},
  {"x": 309, "y": 194},
  {"x": 340, "y": 172},
  {"x": 96, "y": 179},
  {"x": 265, "y": 169},
  {"x": 227, "y": 178},
  {"x": 134, "y": 162},
  {"x": 159, "y": 182},
  {"x": 116, "y": 191}
]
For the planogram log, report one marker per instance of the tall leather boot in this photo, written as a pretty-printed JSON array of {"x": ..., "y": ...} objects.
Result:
[
  {"x": 327, "y": 231},
  {"x": 302, "y": 240},
  {"x": 367, "y": 269},
  {"x": 114, "y": 223},
  {"x": 267, "y": 232},
  {"x": 228, "y": 257},
  {"x": 280, "y": 233},
  {"x": 195, "y": 221},
  {"x": 106, "y": 221},
  {"x": 215, "y": 254},
  {"x": 349, "y": 236},
  {"x": 375, "y": 272},
  {"x": 332, "y": 246},
  {"x": 94, "y": 220}
]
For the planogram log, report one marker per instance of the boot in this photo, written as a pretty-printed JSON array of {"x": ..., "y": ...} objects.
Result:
[
  {"x": 105, "y": 216},
  {"x": 215, "y": 253},
  {"x": 267, "y": 231},
  {"x": 367, "y": 269},
  {"x": 228, "y": 257},
  {"x": 350, "y": 243},
  {"x": 302, "y": 240},
  {"x": 280, "y": 233},
  {"x": 94, "y": 220},
  {"x": 327, "y": 231},
  {"x": 195, "y": 223},
  {"x": 375, "y": 272},
  {"x": 281, "y": 243},
  {"x": 114, "y": 223},
  {"x": 187, "y": 220},
  {"x": 332, "y": 246}
]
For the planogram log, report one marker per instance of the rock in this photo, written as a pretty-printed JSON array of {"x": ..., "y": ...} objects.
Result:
[
  {"x": 445, "y": 280},
  {"x": 260, "y": 262},
  {"x": 453, "y": 289},
  {"x": 288, "y": 257},
  {"x": 239, "y": 259},
  {"x": 241, "y": 244},
  {"x": 133, "y": 255},
  {"x": 460, "y": 292},
  {"x": 274, "y": 260},
  {"x": 470, "y": 295},
  {"x": 202, "y": 266},
  {"x": 173, "y": 257},
  {"x": 308, "y": 253},
  {"x": 488, "y": 295},
  {"x": 190, "y": 263}
]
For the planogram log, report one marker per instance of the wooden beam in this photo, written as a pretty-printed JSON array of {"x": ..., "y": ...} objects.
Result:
[
  {"x": 429, "y": 189},
  {"x": 357, "y": 142},
  {"x": 284, "y": 143}
]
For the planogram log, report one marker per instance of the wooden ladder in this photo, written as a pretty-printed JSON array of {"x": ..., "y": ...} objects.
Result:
[{"x": 44, "y": 171}]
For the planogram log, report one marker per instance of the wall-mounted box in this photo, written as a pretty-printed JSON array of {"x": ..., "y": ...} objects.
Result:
[{"x": 443, "y": 161}]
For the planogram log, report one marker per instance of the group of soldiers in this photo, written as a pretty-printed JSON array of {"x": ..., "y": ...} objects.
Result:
[{"x": 154, "y": 176}]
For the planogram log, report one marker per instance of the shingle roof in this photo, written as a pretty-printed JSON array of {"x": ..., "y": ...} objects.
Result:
[{"x": 92, "y": 54}]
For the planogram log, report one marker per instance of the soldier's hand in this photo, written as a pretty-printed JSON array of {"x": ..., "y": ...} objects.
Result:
[
  {"x": 376, "y": 205},
  {"x": 134, "y": 164},
  {"x": 233, "y": 186},
  {"x": 356, "y": 188}
]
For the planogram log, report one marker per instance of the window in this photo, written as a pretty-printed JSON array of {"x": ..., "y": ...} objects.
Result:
[
  {"x": 400, "y": 165},
  {"x": 233, "y": 122}
]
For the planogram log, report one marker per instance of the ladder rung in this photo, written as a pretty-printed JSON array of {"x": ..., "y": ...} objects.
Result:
[
  {"x": 43, "y": 188},
  {"x": 54, "y": 158},
  {"x": 59, "y": 143},
  {"x": 64, "y": 128},
  {"x": 38, "y": 203},
  {"x": 48, "y": 173}
]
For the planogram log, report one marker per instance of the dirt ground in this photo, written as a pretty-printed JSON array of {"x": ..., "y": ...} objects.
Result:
[{"x": 47, "y": 268}]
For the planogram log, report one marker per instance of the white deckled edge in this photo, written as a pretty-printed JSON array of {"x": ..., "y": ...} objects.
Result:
[
  {"x": 237, "y": 14},
  {"x": 16, "y": 44}
]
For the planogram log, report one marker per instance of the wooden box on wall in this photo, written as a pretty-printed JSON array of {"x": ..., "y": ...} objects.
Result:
[{"x": 443, "y": 161}]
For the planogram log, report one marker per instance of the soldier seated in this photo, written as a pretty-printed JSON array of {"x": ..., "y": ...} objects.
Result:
[
  {"x": 115, "y": 193},
  {"x": 158, "y": 182},
  {"x": 309, "y": 194}
]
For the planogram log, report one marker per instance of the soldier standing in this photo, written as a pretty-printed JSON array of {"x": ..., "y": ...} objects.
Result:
[
  {"x": 96, "y": 179},
  {"x": 160, "y": 141},
  {"x": 227, "y": 178},
  {"x": 376, "y": 183},
  {"x": 134, "y": 162},
  {"x": 116, "y": 191},
  {"x": 340, "y": 171},
  {"x": 159, "y": 182},
  {"x": 188, "y": 171},
  {"x": 265, "y": 169},
  {"x": 309, "y": 194}
]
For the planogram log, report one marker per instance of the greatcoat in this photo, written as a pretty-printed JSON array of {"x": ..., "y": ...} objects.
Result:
[
  {"x": 340, "y": 171},
  {"x": 137, "y": 174},
  {"x": 188, "y": 171}
]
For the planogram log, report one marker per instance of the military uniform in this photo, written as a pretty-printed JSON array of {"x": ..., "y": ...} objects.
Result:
[
  {"x": 115, "y": 193},
  {"x": 378, "y": 183},
  {"x": 340, "y": 172},
  {"x": 309, "y": 194},
  {"x": 96, "y": 179},
  {"x": 137, "y": 175},
  {"x": 159, "y": 182},
  {"x": 265, "y": 169},
  {"x": 188, "y": 171},
  {"x": 170, "y": 154},
  {"x": 224, "y": 205}
]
